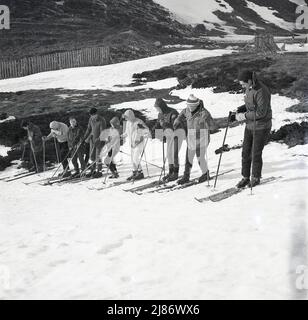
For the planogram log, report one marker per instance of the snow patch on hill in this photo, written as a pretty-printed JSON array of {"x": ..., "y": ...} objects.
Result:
[
  {"x": 268, "y": 15},
  {"x": 113, "y": 77}
]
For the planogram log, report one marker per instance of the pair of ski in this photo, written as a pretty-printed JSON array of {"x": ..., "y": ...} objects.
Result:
[
  {"x": 161, "y": 187},
  {"x": 228, "y": 193},
  {"x": 21, "y": 175},
  {"x": 117, "y": 184}
]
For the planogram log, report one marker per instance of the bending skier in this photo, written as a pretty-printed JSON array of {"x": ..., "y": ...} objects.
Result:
[
  {"x": 96, "y": 126},
  {"x": 257, "y": 113},
  {"x": 199, "y": 123},
  {"x": 76, "y": 146},
  {"x": 112, "y": 138},
  {"x": 59, "y": 131},
  {"x": 174, "y": 138},
  {"x": 35, "y": 139},
  {"x": 137, "y": 134}
]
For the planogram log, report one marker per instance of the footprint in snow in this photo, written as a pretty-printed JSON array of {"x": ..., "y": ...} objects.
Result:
[{"x": 109, "y": 248}]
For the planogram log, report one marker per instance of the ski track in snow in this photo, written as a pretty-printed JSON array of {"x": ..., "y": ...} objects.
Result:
[{"x": 69, "y": 242}]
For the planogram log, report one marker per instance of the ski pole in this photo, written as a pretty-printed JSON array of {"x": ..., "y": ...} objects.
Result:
[
  {"x": 151, "y": 164},
  {"x": 223, "y": 144},
  {"x": 146, "y": 163},
  {"x": 23, "y": 152},
  {"x": 57, "y": 151},
  {"x": 143, "y": 151},
  {"x": 44, "y": 155},
  {"x": 207, "y": 161},
  {"x": 253, "y": 145},
  {"x": 72, "y": 157},
  {"x": 34, "y": 156},
  {"x": 164, "y": 158}
]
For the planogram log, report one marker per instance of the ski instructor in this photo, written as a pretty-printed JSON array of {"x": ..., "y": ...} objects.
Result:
[{"x": 257, "y": 113}]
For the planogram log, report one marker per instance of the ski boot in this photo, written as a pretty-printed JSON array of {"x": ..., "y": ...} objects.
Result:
[
  {"x": 132, "y": 176},
  {"x": 114, "y": 175},
  {"x": 175, "y": 175},
  {"x": 254, "y": 182},
  {"x": 76, "y": 174},
  {"x": 243, "y": 183},
  {"x": 139, "y": 176},
  {"x": 97, "y": 175},
  {"x": 167, "y": 177},
  {"x": 66, "y": 174},
  {"x": 205, "y": 177}
]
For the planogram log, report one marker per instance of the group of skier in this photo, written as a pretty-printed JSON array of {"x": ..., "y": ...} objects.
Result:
[{"x": 100, "y": 142}]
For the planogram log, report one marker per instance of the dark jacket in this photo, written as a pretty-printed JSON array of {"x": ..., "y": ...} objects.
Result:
[
  {"x": 35, "y": 137},
  {"x": 167, "y": 117},
  {"x": 258, "y": 98},
  {"x": 75, "y": 135}
]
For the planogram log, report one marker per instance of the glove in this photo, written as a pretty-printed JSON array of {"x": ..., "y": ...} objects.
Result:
[
  {"x": 240, "y": 117},
  {"x": 233, "y": 117},
  {"x": 242, "y": 109}
]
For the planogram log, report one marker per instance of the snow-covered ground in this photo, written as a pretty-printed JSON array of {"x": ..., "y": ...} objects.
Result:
[
  {"x": 113, "y": 77},
  {"x": 4, "y": 150},
  {"x": 69, "y": 242}
]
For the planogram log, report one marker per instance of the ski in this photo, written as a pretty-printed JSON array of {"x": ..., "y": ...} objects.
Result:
[
  {"x": 108, "y": 186},
  {"x": 175, "y": 186},
  {"x": 21, "y": 177},
  {"x": 144, "y": 187},
  {"x": 228, "y": 193},
  {"x": 14, "y": 176}
]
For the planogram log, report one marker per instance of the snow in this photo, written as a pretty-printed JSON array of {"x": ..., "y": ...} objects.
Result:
[
  {"x": 10, "y": 118},
  {"x": 4, "y": 150},
  {"x": 294, "y": 47},
  {"x": 113, "y": 77},
  {"x": 68, "y": 242},
  {"x": 196, "y": 11},
  {"x": 268, "y": 15}
]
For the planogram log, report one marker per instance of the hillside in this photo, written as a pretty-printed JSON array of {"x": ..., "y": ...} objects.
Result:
[
  {"x": 46, "y": 26},
  {"x": 236, "y": 16}
]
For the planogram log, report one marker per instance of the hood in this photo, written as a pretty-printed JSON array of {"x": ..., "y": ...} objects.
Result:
[
  {"x": 54, "y": 125},
  {"x": 129, "y": 114}
]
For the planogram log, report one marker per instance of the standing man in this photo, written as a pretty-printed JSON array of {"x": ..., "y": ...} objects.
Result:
[
  {"x": 59, "y": 131},
  {"x": 199, "y": 123},
  {"x": 173, "y": 138},
  {"x": 96, "y": 126},
  {"x": 76, "y": 146},
  {"x": 257, "y": 113},
  {"x": 35, "y": 139}
]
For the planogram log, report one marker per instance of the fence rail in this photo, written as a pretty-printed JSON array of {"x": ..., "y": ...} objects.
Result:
[{"x": 55, "y": 61}]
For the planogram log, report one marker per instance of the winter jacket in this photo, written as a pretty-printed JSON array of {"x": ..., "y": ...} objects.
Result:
[
  {"x": 198, "y": 122},
  {"x": 35, "y": 137},
  {"x": 259, "y": 97},
  {"x": 167, "y": 117},
  {"x": 135, "y": 129},
  {"x": 59, "y": 131},
  {"x": 95, "y": 127},
  {"x": 75, "y": 135}
]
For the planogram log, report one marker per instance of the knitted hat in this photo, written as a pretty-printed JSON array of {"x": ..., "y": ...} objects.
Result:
[
  {"x": 93, "y": 111},
  {"x": 192, "y": 102},
  {"x": 245, "y": 76},
  {"x": 54, "y": 125}
]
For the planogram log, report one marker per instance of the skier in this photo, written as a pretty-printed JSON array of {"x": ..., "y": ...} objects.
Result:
[
  {"x": 35, "y": 139},
  {"x": 76, "y": 146},
  {"x": 59, "y": 131},
  {"x": 257, "y": 113},
  {"x": 199, "y": 124},
  {"x": 173, "y": 138},
  {"x": 112, "y": 138},
  {"x": 137, "y": 134},
  {"x": 96, "y": 125}
]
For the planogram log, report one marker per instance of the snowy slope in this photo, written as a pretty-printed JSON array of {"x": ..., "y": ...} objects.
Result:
[
  {"x": 70, "y": 242},
  {"x": 235, "y": 16},
  {"x": 113, "y": 77}
]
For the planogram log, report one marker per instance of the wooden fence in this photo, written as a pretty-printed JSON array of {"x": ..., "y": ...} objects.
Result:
[{"x": 55, "y": 61}]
